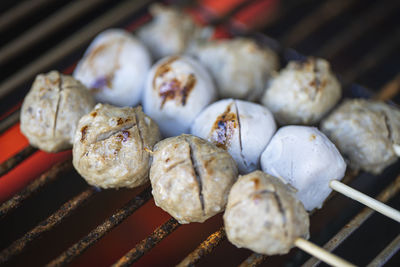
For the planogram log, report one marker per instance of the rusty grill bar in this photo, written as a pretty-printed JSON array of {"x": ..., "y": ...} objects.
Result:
[{"x": 323, "y": 14}]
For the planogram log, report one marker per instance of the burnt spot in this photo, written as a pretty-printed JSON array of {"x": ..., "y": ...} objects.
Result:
[
  {"x": 125, "y": 136},
  {"x": 163, "y": 68},
  {"x": 84, "y": 132},
  {"x": 224, "y": 128},
  {"x": 93, "y": 114},
  {"x": 312, "y": 137},
  {"x": 174, "y": 89},
  {"x": 256, "y": 182},
  {"x": 120, "y": 121},
  {"x": 167, "y": 160}
]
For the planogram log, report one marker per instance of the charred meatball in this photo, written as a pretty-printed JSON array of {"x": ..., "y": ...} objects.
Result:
[
  {"x": 306, "y": 159},
  {"x": 264, "y": 215},
  {"x": 302, "y": 92},
  {"x": 240, "y": 67},
  {"x": 177, "y": 89},
  {"x": 191, "y": 178},
  {"x": 171, "y": 32},
  {"x": 114, "y": 68},
  {"x": 367, "y": 132},
  {"x": 52, "y": 109},
  {"x": 240, "y": 127},
  {"x": 111, "y": 146}
]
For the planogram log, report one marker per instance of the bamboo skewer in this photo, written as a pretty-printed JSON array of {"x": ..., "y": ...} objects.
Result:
[
  {"x": 366, "y": 200},
  {"x": 321, "y": 253}
]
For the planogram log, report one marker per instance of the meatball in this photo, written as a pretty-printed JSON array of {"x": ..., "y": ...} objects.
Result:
[
  {"x": 191, "y": 178},
  {"x": 367, "y": 132},
  {"x": 52, "y": 109},
  {"x": 114, "y": 68},
  {"x": 171, "y": 32},
  {"x": 111, "y": 146},
  {"x": 240, "y": 127},
  {"x": 177, "y": 89},
  {"x": 306, "y": 159},
  {"x": 302, "y": 92},
  {"x": 264, "y": 215},
  {"x": 240, "y": 67}
]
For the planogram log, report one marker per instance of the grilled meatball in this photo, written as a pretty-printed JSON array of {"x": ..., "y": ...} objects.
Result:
[
  {"x": 367, "y": 132},
  {"x": 171, "y": 32},
  {"x": 52, "y": 109},
  {"x": 302, "y": 92},
  {"x": 239, "y": 66},
  {"x": 114, "y": 68},
  {"x": 191, "y": 178},
  {"x": 240, "y": 127},
  {"x": 264, "y": 215},
  {"x": 111, "y": 146},
  {"x": 177, "y": 89},
  {"x": 305, "y": 158}
]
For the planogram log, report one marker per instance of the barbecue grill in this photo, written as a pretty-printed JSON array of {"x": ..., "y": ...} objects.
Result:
[{"x": 55, "y": 218}]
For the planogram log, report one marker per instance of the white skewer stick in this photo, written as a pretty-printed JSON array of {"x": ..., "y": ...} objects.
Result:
[
  {"x": 366, "y": 200},
  {"x": 321, "y": 253}
]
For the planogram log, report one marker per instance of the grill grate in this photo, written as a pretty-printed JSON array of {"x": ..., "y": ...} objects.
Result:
[{"x": 12, "y": 86}]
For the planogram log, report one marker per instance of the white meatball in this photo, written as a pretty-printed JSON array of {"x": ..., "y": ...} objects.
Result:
[
  {"x": 177, "y": 90},
  {"x": 367, "y": 132},
  {"x": 114, "y": 68},
  {"x": 191, "y": 178},
  {"x": 264, "y": 215},
  {"x": 111, "y": 146},
  {"x": 305, "y": 158},
  {"x": 242, "y": 128},
  {"x": 52, "y": 109},
  {"x": 171, "y": 32},
  {"x": 302, "y": 92},
  {"x": 240, "y": 67}
]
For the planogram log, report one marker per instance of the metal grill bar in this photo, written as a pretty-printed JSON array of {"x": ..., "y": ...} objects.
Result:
[
  {"x": 10, "y": 163},
  {"x": 205, "y": 248},
  {"x": 316, "y": 19},
  {"x": 113, "y": 221},
  {"x": 386, "y": 46},
  {"x": 254, "y": 260},
  {"x": 10, "y": 17},
  {"x": 46, "y": 225},
  {"x": 68, "y": 14},
  {"x": 77, "y": 40},
  {"x": 386, "y": 254},
  {"x": 148, "y": 243},
  {"x": 47, "y": 177},
  {"x": 9, "y": 121},
  {"x": 358, "y": 220},
  {"x": 376, "y": 13}
]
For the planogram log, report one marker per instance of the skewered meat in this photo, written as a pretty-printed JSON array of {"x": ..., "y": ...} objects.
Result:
[
  {"x": 52, "y": 109},
  {"x": 171, "y": 32},
  {"x": 305, "y": 158},
  {"x": 240, "y": 127},
  {"x": 177, "y": 89},
  {"x": 114, "y": 68},
  {"x": 367, "y": 132},
  {"x": 239, "y": 66},
  {"x": 111, "y": 146},
  {"x": 191, "y": 178},
  {"x": 302, "y": 92},
  {"x": 264, "y": 215}
]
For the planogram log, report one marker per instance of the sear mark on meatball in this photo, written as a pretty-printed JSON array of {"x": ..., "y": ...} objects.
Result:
[
  {"x": 240, "y": 136},
  {"x": 60, "y": 88},
  {"x": 84, "y": 132},
  {"x": 174, "y": 90},
  {"x": 224, "y": 128},
  {"x": 197, "y": 173},
  {"x": 164, "y": 68}
]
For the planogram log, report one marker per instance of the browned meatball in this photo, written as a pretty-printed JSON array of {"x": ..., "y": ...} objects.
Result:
[
  {"x": 111, "y": 146},
  {"x": 191, "y": 178},
  {"x": 264, "y": 215},
  {"x": 52, "y": 109},
  {"x": 367, "y": 132}
]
